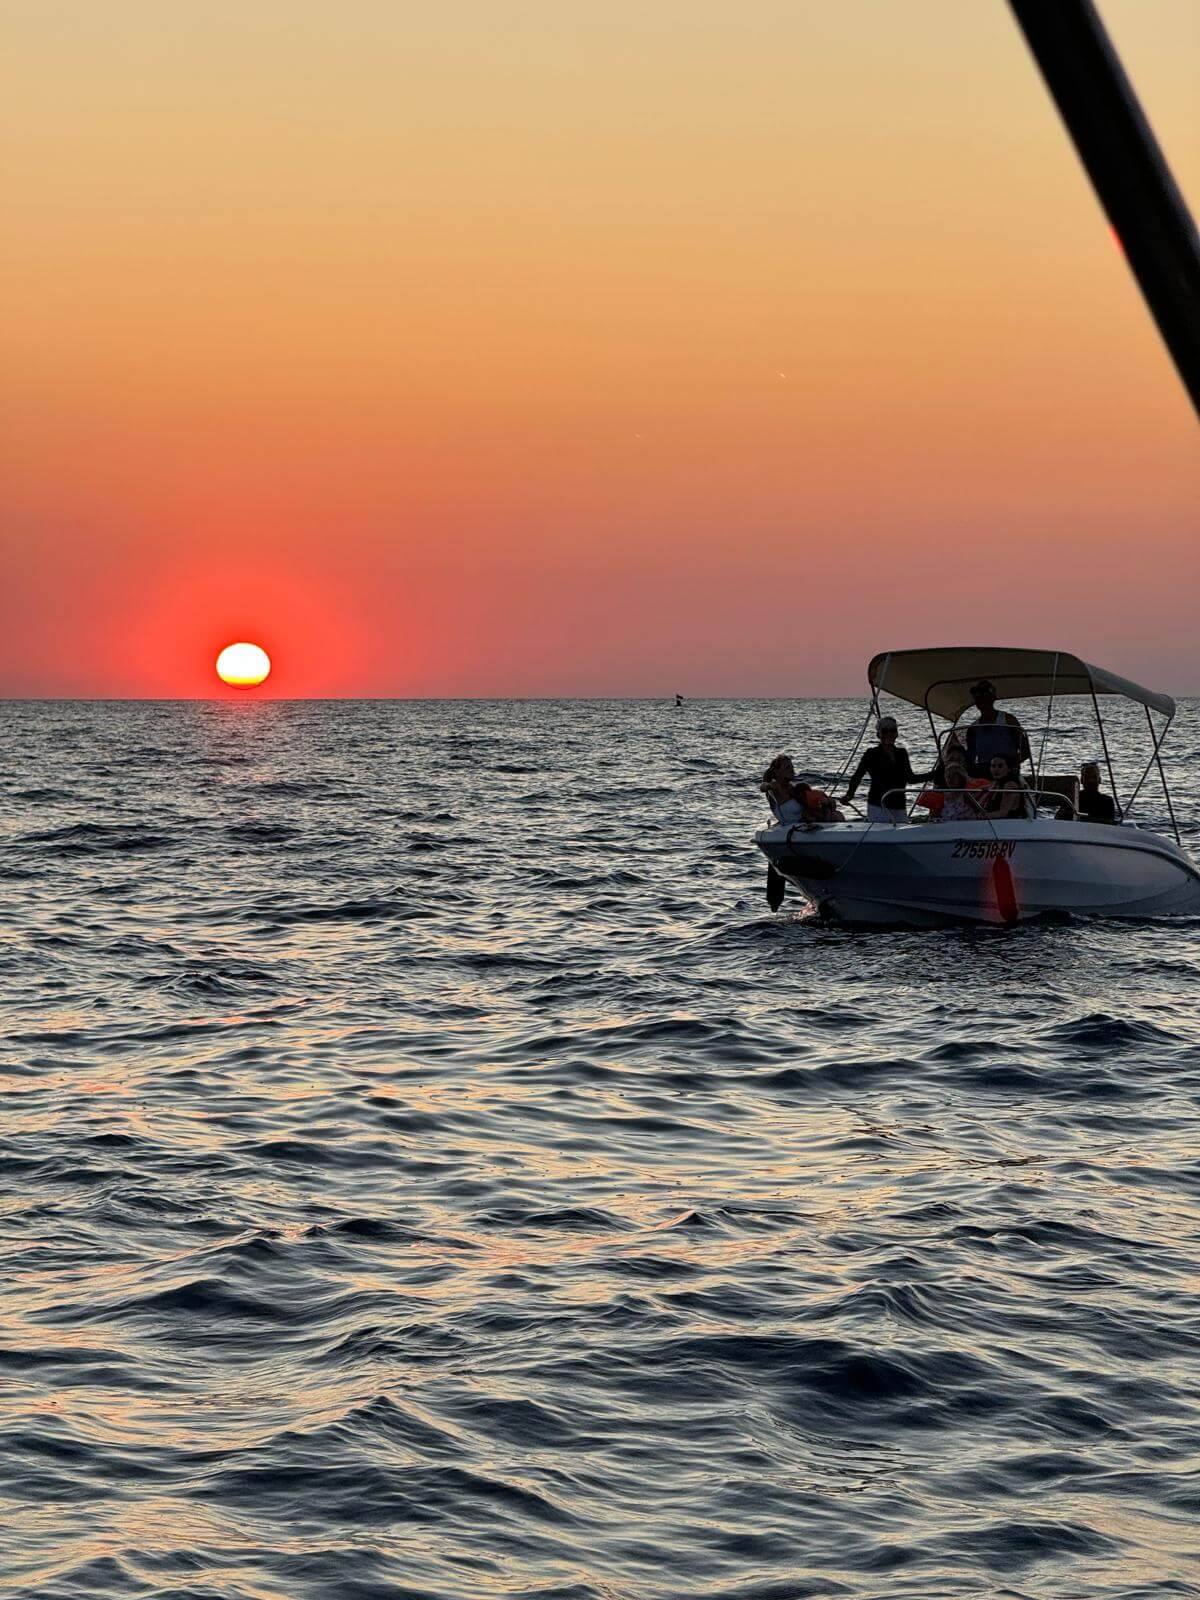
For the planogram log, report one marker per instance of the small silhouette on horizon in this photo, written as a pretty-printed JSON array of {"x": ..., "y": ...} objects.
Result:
[{"x": 678, "y": 699}]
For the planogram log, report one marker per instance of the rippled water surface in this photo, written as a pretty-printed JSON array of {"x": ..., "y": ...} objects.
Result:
[{"x": 428, "y": 1169}]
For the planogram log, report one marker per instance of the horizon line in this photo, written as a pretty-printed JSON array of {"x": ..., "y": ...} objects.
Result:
[
  {"x": 327, "y": 699},
  {"x": 417, "y": 699}
]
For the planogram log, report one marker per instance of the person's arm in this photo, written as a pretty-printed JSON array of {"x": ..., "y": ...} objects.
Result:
[
  {"x": 859, "y": 773},
  {"x": 1012, "y": 799},
  {"x": 909, "y": 775}
]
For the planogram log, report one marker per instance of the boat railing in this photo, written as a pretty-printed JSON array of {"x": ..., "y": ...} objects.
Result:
[{"x": 1038, "y": 796}]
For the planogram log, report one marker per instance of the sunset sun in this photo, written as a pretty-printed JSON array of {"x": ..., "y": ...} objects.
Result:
[{"x": 243, "y": 665}]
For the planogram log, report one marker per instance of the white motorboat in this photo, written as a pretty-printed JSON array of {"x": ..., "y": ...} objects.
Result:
[{"x": 922, "y": 872}]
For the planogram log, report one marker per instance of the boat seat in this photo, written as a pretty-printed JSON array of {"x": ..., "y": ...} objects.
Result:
[{"x": 1067, "y": 786}]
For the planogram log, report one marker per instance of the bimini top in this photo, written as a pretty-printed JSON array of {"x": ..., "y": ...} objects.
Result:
[{"x": 940, "y": 680}]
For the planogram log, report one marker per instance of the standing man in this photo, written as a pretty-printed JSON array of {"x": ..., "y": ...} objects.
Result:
[{"x": 993, "y": 733}]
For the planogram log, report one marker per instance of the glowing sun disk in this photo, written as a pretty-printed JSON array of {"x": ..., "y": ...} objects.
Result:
[{"x": 243, "y": 665}]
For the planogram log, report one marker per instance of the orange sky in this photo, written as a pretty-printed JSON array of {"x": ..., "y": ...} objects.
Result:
[{"x": 540, "y": 349}]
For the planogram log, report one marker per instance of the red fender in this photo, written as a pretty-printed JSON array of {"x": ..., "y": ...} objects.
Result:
[{"x": 1006, "y": 890}]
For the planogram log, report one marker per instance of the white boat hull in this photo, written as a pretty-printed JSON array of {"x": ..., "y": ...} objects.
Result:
[{"x": 927, "y": 873}]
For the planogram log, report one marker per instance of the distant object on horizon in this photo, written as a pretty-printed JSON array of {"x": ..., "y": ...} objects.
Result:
[
  {"x": 678, "y": 699},
  {"x": 243, "y": 666}
]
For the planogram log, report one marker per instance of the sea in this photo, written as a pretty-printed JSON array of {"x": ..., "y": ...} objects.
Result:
[{"x": 429, "y": 1171}]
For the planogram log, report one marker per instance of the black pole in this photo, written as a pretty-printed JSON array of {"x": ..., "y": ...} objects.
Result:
[
  {"x": 1162, "y": 777},
  {"x": 1112, "y": 782},
  {"x": 1128, "y": 171}
]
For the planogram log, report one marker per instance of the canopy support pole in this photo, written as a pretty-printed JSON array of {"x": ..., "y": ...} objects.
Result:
[
  {"x": 1156, "y": 742},
  {"x": 872, "y": 710},
  {"x": 1112, "y": 782},
  {"x": 1037, "y": 774},
  {"x": 1162, "y": 775},
  {"x": 841, "y": 777},
  {"x": 1145, "y": 774},
  {"x": 876, "y": 688}
]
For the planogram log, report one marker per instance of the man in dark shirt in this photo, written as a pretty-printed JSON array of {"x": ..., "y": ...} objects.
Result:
[
  {"x": 1094, "y": 806},
  {"x": 887, "y": 765},
  {"x": 993, "y": 733}
]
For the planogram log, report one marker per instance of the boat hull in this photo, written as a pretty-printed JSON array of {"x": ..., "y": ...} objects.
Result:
[{"x": 925, "y": 874}]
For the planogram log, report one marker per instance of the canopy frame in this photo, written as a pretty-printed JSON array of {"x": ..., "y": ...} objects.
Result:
[
  {"x": 1031, "y": 673},
  {"x": 939, "y": 679}
]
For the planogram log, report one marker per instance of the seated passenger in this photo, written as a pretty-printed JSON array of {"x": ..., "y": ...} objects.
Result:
[
  {"x": 889, "y": 769},
  {"x": 953, "y": 748},
  {"x": 791, "y": 800},
  {"x": 1094, "y": 806},
  {"x": 959, "y": 803},
  {"x": 1007, "y": 800},
  {"x": 779, "y": 786}
]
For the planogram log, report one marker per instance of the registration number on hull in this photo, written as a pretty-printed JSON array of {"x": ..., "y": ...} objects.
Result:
[{"x": 984, "y": 849}]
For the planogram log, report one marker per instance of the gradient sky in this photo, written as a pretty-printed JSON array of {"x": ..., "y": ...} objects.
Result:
[{"x": 574, "y": 349}]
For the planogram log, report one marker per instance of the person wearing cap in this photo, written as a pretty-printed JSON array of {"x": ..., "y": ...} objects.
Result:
[
  {"x": 993, "y": 733},
  {"x": 887, "y": 766}
]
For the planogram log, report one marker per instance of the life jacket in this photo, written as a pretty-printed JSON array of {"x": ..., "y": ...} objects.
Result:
[
  {"x": 818, "y": 807},
  {"x": 934, "y": 800}
]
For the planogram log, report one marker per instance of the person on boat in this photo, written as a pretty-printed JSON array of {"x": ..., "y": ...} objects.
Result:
[
  {"x": 779, "y": 786},
  {"x": 888, "y": 767},
  {"x": 1008, "y": 798},
  {"x": 791, "y": 800},
  {"x": 959, "y": 801},
  {"x": 953, "y": 748},
  {"x": 1093, "y": 805},
  {"x": 993, "y": 733}
]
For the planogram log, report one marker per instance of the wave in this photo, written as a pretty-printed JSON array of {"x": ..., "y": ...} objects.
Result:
[
  {"x": 391, "y": 1212},
  {"x": 96, "y": 838}
]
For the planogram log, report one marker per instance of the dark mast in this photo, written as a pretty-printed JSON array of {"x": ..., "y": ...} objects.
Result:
[{"x": 1128, "y": 171}]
